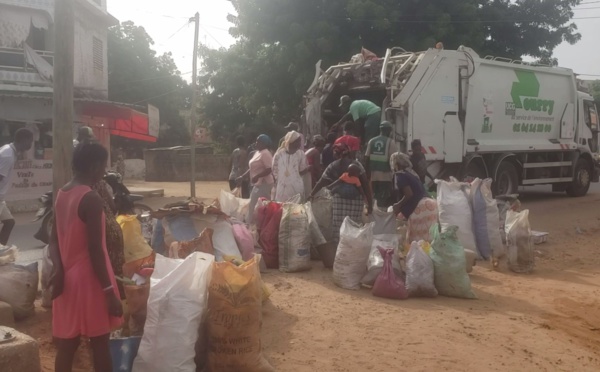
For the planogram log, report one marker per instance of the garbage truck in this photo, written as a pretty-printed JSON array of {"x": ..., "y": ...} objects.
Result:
[{"x": 518, "y": 123}]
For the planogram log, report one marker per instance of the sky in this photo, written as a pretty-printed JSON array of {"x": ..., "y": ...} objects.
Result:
[{"x": 167, "y": 23}]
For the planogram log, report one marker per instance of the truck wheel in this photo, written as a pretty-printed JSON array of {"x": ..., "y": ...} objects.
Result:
[
  {"x": 581, "y": 179},
  {"x": 507, "y": 179}
]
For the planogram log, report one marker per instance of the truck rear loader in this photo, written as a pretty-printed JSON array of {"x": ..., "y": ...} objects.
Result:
[{"x": 517, "y": 123}]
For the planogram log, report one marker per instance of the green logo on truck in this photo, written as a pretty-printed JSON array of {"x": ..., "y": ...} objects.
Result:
[{"x": 525, "y": 93}]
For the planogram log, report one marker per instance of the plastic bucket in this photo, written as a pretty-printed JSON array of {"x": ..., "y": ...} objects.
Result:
[{"x": 123, "y": 351}]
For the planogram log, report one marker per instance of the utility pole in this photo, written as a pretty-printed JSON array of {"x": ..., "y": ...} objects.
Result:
[
  {"x": 62, "y": 110},
  {"x": 196, "y": 20}
]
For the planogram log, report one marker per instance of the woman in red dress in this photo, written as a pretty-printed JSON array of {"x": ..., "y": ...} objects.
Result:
[{"x": 86, "y": 300}]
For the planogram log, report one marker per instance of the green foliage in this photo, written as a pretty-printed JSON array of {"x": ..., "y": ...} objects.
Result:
[
  {"x": 258, "y": 83},
  {"x": 595, "y": 91},
  {"x": 138, "y": 75}
]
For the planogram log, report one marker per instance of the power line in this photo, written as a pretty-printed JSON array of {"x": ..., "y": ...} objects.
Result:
[
  {"x": 214, "y": 38},
  {"x": 175, "y": 33},
  {"x": 160, "y": 95}
]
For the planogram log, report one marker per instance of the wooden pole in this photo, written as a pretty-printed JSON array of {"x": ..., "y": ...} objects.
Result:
[
  {"x": 62, "y": 110},
  {"x": 196, "y": 20}
]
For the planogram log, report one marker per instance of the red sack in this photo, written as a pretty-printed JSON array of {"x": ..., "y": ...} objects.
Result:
[
  {"x": 268, "y": 218},
  {"x": 388, "y": 285}
]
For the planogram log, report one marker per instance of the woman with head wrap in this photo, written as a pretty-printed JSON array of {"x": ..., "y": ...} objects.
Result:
[
  {"x": 260, "y": 173},
  {"x": 412, "y": 201},
  {"x": 289, "y": 165},
  {"x": 347, "y": 199}
]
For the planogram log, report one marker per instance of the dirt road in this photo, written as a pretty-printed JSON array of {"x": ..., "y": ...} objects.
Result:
[{"x": 545, "y": 321}]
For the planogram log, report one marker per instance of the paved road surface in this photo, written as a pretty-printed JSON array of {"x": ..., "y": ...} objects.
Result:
[{"x": 31, "y": 250}]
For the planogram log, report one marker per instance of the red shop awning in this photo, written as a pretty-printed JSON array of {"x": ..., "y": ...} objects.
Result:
[{"x": 121, "y": 120}]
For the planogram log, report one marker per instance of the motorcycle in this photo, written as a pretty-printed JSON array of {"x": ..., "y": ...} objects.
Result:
[{"x": 125, "y": 203}]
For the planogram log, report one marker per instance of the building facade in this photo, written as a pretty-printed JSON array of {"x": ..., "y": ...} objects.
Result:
[{"x": 26, "y": 74}]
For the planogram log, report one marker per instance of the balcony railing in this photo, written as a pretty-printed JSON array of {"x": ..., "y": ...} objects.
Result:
[{"x": 12, "y": 59}]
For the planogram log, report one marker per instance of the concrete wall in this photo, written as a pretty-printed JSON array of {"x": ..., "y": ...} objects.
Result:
[
  {"x": 87, "y": 77},
  {"x": 174, "y": 166}
]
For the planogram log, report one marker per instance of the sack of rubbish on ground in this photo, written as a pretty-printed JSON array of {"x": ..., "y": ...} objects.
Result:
[
  {"x": 134, "y": 243},
  {"x": 449, "y": 262},
  {"x": 268, "y": 218},
  {"x": 521, "y": 256},
  {"x": 384, "y": 222},
  {"x": 388, "y": 284},
  {"x": 376, "y": 261},
  {"x": 455, "y": 209},
  {"x": 233, "y": 206},
  {"x": 420, "y": 280},
  {"x": 235, "y": 318},
  {"x": 45, "y": 280},
  {"x": 137, "y": 304},
  {"x": 322, "y": 207},
  {"x": 19, "y": 287},
  {"x": 350, "y": 264},
  {"x": 486, "y": 220},
  {"x": 245, "y": 241},
  {"x": 203, "y": 243},
  {"x": 266, "y": 293},
  {"x": 294, "y": 239},
  {"x": 316, "y": 237},
  {"x": 8, "y": 254},
  {"x": 506, "y": 203},
  {"x": 177, "y": 301}
]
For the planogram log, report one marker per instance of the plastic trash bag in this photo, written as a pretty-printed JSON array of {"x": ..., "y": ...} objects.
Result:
[
  {"x": 448, "y": 256},
  {"x": 233, "y": 206},
  {"x": 384, "y": 222},
  {"x": 419, "y": 272},
  {"x": 388, "y": 284},
  {"x": 19, "y": 287},
  {"x": 177, "y": 301},
  {"x": 505, "y": 203},
  {"x": 235, "y": 319},
  {"x": 245, "y": 241},
  {"x": 375, "y": 261},
  {"x": 454, "y": 209},
  {"x": 294, "y": 239},
  {"x": 268, "y": 215},
  {"x": 521, "y": 256},
  {"x": 486, "y": 220},
  {"x": 135, "y": 245},
  {"x": 350, "y": 263}
]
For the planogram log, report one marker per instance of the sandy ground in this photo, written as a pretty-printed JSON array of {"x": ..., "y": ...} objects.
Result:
[{"x": 545, "y": 321}]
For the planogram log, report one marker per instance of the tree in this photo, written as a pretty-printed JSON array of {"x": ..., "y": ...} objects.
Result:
[
  {"x": 260, "y": 80},
  {"x": 138, "y": 76},
  {"x": 595, "y": 91}
]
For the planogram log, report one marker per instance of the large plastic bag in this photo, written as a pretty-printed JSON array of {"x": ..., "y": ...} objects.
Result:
[
  {"x": 455, "y": 210},
  {"x": 222, "y": 239},
  {"x": 233, "y": 206},
  {"x": 19, "y": 287},
  {"x": 388, "y": 284},
  {"x": 352, "y": 254},
  {"x": 268, "y": 215},
  {"x": 505, "y": 203},
  {"x": 375, "y": 261},
  {"x": 177, "y": 301},
  {"x": 521, "y": 257},
  {"x": 45, "y": 280},
  {"x": 316, "y": 236},
  {"x": 448, "y": 256},
  {"x": 385, "y": 222},
  {"x": 135, "y": 245},
  {"x": 486, "y": 220},
  {"x": 294, "y": 239},
  {"x": 322, "y": 208},
  {"x": 235, "y": 319},
  {"x": 419, "y": 271},
  {"x": 245, "y": 241}
]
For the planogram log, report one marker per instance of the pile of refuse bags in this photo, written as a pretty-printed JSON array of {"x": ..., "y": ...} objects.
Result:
[{"x": 193, "y": 296}]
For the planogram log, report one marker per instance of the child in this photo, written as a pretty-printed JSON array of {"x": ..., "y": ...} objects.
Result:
[
  {"x": 348, "y": 180},
  {"x": 86, "y": 299}
]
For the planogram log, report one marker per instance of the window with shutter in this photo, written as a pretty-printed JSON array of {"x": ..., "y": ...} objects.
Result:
[{"x": 98, "y": 49}]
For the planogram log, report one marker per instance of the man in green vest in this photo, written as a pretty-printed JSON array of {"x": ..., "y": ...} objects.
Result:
[{"x": 377, "y": 159}]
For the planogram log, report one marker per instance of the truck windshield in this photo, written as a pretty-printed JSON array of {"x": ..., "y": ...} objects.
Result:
[{"x": 591, "y": 116}]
